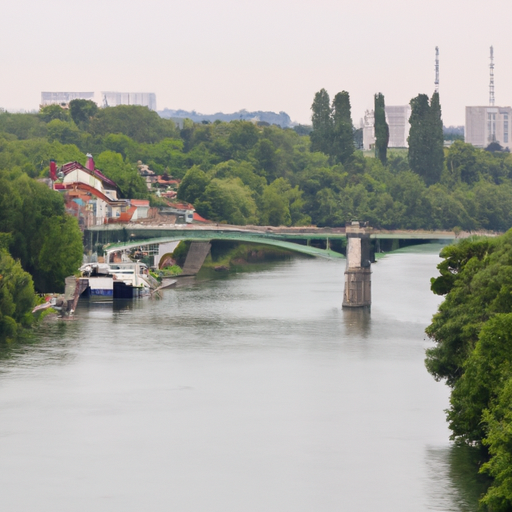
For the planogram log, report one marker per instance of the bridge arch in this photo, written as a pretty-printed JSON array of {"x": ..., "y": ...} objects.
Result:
[{"x": 230, "y": 236}]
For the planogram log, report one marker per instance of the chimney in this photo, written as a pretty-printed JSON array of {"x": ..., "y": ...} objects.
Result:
[
  {"x": 90, "y": 162},
  {"x": 53, "y": 170}
]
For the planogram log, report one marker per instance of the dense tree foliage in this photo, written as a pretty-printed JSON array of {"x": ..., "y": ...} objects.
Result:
[
  {"x": 278, "y": 175},
  {"x": 343, "y": 132},
  {"x": 426, "y": 156},
  {"x": 473, "y": 352},
  {"x": 45, "y": 240},
  {"x": 321, "y": 135},
  {"x": 381, "y": 129},
  {"x": 16, "y": 295},
  {"x": 333, "y": 133}
]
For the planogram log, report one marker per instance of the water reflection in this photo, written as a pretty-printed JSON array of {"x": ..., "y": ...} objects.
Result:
[
  {"x": 284, "y": 392},
  {"x": 453, "y": 480},
  {"x": 357, "y": 322}
]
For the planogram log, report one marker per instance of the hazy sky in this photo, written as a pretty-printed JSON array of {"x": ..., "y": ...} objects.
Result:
[{"x": 226, "y": 55}]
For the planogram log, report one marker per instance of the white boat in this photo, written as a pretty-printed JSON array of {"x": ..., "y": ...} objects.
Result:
[{"x": 115, "y": 281}]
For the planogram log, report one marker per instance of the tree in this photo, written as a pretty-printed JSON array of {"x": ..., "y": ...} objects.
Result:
[
  {"x": 16, "y": 296},
  {"x": 461, "y": 162},
  {"x": 426, "y": 156},
  {"x": 472, "y": 331},
  {"x": 125, "y": 175},
  {"x": 193, "y": 185},
  {"x": 381, "y": 129},
  {"x": 82, "y": 111},
  {"x": 50, "y": 112},
  {"x": 63, "y": 131},
  {"x": 437, "y": 139},
  {"x": 342, "y": 145},
  {"x": 321, "y": 135},
  {"x": 137, "y": 122},
  {"x": 228, "y": 200},
  {"x": 35, "y": 217},
  {"x": 498, "y": 424}
]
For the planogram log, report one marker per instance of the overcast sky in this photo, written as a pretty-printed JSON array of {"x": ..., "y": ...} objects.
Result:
[{"x": 226, "y": 55}]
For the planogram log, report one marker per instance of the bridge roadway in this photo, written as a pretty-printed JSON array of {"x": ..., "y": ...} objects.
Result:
[{"x": 126, "y": 236}]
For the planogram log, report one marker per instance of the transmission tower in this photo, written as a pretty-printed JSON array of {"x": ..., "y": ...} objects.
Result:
[
  {"x": 491, "y": 80},
  {"x": 436, "y": 81}
]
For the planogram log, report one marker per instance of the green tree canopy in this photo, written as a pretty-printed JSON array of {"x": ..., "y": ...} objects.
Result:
[
  {"x": 473, "y": 352},
  {"x": 381, "y": 128},
  {"x": 16, "y": 297},
  {"x": 50, "y": 112},
  {"x": 138, "y": 123},
  {"x": 82, "y": 111},
  {"x": 193, "y": 185},
  {"x": 47, "y": 242},
  {"x": 342, "y": 146},
  {"x": 125, "y": 175},
  {"x": 321, "y": 134},
  {"x": 426, "y": 156},
  {"x": 228, "y": 200}
]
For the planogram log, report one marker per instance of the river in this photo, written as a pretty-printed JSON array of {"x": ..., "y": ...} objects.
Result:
[{"x": 245, "y": 392}]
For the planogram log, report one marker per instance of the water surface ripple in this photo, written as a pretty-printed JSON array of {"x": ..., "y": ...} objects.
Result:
[{"x": 246, "y": 392}]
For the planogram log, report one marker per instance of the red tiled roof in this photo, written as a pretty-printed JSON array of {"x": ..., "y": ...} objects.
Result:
[
  {"x": 92, "y": 190},
  {"x": 198, "y": 218},
  {"x": 71, "y": 166},
  {"x": 139, "y": 202}
]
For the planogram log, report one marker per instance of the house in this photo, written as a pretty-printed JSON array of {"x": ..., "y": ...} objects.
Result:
[
  {"x": 141, "y": 209},
  {"x": 94, "y": 195},
  {"x": 183, "y": 211}
]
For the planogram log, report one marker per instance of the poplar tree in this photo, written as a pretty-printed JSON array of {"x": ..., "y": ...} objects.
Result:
[
  {"x": 381, "y": 129},
  {"x": 321, "y": 136},
  {"x": 426, "y": 156},
  {"x": 437, "y": 139},
  {"x": 343, "y": 133}
]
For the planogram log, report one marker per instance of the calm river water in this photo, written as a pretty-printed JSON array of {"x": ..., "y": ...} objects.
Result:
[{"x": 238, "y": 393}]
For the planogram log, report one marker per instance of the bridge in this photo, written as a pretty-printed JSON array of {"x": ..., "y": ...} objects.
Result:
[
  {"x": 303, "y": 239},
  {"x": 360, "y": 241}
]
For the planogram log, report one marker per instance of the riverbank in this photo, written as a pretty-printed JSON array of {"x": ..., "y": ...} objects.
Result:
[{"x": 229, "y": 255}]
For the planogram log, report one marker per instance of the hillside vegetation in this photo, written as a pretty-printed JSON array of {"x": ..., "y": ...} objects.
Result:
[
  {"x": 240, "y": 172},
  {"x": 473, "y": 353}
]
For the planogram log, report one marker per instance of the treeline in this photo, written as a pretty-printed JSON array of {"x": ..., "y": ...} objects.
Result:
[
  {"x": 39, "y": 246},
  {"x": 473, "y": 353},
  {"x": 242, "y": 173}
]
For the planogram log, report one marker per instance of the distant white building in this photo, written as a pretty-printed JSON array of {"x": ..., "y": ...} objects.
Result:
[
  {"x": 488, "y": 124},
  {"x": 102, "y": 99},
  {"x": 63, "y": 98},
  {"x": 397, "y": 117},
  {"x": 368, "y": 130},
  {"x": 113, "y": 99}
]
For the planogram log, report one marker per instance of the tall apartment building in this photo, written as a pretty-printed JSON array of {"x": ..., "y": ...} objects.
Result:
[
  {"x": 397, "y": 117},
  {"x": 488, "y": 124}
]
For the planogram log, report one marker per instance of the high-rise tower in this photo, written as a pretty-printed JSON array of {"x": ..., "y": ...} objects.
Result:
[
  {"x": 491, "y": 79},
  {"x": 436, "y": 81}
]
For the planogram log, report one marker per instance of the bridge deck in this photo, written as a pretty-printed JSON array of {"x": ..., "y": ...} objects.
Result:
[{"x": 145, "y": 234}]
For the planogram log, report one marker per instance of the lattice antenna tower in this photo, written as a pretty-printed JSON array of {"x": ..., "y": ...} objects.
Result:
[
  {"x": 491, "y": 79},
  {"x": 436, "y": 81}
]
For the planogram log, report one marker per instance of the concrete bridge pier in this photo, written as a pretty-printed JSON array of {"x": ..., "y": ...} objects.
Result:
[{"x": 358, "y": 286}]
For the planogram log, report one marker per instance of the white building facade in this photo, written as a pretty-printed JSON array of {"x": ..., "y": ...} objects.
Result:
[
  {"x": 63, "y": 98},
  {"x": 397, "y": 117},
  {"x": 113, "y": 99},
  {"x": 102, "y": 99},
  {"x": 485, "y": 125}
]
